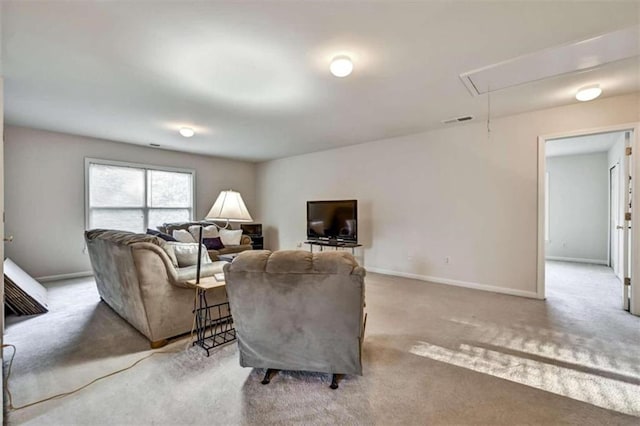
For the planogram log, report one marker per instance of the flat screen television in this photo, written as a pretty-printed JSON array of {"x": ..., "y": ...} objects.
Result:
[{"x": 332, "y": 220}]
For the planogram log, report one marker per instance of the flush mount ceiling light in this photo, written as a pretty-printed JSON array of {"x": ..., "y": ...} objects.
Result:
[
  {"x": 588, "y": 93},
  {"x": 187, "y": 132},
  {"x": 341, "y": 66}
]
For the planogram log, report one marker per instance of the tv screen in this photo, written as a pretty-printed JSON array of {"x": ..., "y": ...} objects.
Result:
[{"x": 332, "y": 220}]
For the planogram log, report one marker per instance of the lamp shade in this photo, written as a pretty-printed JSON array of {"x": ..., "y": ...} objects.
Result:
[{"x": 230, "y": 207}]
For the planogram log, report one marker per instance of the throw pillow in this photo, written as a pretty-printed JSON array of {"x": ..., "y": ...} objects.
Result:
[
  {"x": 213, "y": 243},
  {"x": 171, "y": 253},
  {"x": 183, "y": 236},
  {"x": 162, "y": 235},
  {"x": 210, "y": 231},
  {"x": 187, "y": 254},
  {"x": 231, "y": 237}
]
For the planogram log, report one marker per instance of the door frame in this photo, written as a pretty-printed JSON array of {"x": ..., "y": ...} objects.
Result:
[{"x": 635, "y": 210}]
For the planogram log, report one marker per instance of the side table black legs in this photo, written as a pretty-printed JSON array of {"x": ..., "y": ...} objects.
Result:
[{"x": 214, "y": 324}]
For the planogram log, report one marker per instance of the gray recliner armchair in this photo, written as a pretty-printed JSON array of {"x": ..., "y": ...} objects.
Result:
[{"x": 294, "y": 310}]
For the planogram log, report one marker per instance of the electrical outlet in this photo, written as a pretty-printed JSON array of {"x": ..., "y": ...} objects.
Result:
[
  {"x": 299, "y": 245},
  {"x": 447, "y": 260}
]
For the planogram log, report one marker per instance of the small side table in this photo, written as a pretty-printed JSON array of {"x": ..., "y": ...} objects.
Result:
[{"x": 213, "y": 323}]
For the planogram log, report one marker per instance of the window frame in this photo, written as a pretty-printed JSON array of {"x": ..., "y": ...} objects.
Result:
[{"x": 87, "y": 208}]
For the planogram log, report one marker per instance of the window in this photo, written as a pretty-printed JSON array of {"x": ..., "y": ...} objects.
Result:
[{"x": 134, "y": 197}]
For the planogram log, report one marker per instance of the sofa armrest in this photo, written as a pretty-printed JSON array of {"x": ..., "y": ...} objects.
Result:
[
  {"x": 213, "y": 255},
  {"x": 175, "y": 276}
]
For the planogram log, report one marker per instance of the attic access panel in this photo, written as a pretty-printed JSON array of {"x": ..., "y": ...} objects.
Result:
[{"x": 555, "y": 61}]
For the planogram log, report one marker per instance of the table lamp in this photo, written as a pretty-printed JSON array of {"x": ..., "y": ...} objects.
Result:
[{"x": 229, "y": 207}]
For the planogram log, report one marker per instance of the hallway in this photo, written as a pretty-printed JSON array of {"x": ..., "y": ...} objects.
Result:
[
  {"x": 591, "y": 293},
  {"x": 589, "y": 283}
]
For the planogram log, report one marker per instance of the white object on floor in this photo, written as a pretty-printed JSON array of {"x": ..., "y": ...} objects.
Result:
[{"x": 23, "y": 294}]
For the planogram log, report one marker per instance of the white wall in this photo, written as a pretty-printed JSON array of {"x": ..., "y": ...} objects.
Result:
[
  {"x": 578, "y": 208},
  {"x": 44, "y": 190},
  {"x": 453, "y": 192}
]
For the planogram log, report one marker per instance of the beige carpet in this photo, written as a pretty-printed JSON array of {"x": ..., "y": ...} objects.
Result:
[{"x": 434, "y": 354}]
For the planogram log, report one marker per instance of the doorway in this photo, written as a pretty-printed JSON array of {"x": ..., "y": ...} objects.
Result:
[{"x": 584, "y": 213}]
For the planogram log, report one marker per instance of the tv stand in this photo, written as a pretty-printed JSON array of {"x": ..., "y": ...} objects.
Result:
[{"x": 328, "y": 243}]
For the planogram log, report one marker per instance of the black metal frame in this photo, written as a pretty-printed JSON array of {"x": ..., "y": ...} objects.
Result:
[
  {"x": 336, "y": 245},
  {"x": 213, "y": 331}
]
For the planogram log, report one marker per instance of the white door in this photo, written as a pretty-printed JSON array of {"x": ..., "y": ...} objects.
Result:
[
  {"x": 615, "y": 216},
  {"x": 625, "y": 256}
]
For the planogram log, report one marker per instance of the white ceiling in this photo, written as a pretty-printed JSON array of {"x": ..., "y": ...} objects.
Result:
[
  {"x": 577, "y": 145},
  {"x": 252, "y": 78}
]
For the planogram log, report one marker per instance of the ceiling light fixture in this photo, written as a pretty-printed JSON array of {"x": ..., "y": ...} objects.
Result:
[
  {"x": 588, "y": 93},
  {"x": 341, "y": 66},
  {"x": 187, "y": 132}
]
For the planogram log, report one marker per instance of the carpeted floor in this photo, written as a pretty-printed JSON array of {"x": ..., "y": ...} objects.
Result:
[{"x": 434, "y": 354}]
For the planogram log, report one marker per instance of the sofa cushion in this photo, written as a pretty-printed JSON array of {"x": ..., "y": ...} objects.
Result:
[
  {"x": 190, "y": 272},
  {"x": 123, "y": 237},
  {"x": 290, "y": 261},
  {"x": 296, "y": 262},
  {"x": 183, "y": 236},
  {"x": 213, "y": 243},
  {"x": 231, "y": 237},
  {"x": 334, "y": 262},
  {"x": 127, "y": 238},
  {"x": 252, "y": 261},
  {"x": 168, "y": 248},
  {"x": 187, "y": 254},
  {"x": 210, "y": 231},
  {"x": 168, "y": 228},
  {"x": 159, "y": 234}
]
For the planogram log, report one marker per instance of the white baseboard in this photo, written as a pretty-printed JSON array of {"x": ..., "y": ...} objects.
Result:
[
  {"x": 578, "y": 260},
  {"x": 457, "y": 283},
  {"x": 50, "y": 278}
]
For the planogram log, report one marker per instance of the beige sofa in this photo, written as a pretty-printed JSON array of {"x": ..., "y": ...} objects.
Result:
[
  {"x": 245, "y": 242},
  {"x": 138, "y": 279},
  {"x": 294, "y": 310}
]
